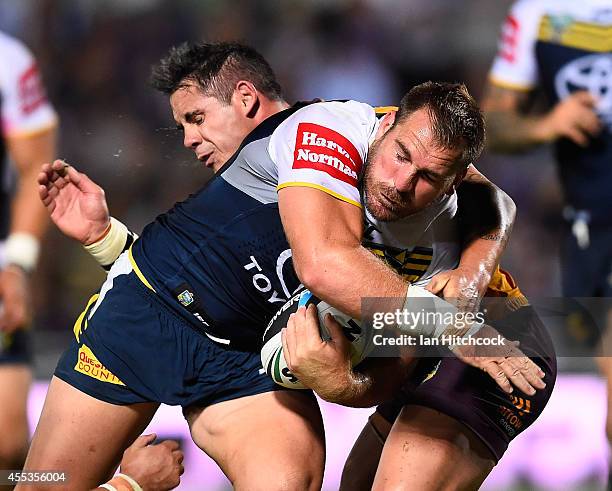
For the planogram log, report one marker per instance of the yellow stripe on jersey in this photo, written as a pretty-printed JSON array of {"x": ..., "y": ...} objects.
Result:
[
  {"x": 385, "y": 109},
  {"x": 509, "y": 85},
  {"x": 138, "y": 272},
  {"x": 78, "y": 324},
  {"x": 320, "y": 188},
  {"x": 579, "y": 35}
]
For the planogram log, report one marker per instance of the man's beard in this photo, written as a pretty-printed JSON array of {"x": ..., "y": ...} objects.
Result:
[{"x": 383, "y": 202}]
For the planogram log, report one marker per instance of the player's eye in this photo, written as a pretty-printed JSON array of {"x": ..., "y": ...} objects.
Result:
[
  {"x": 401, "y": 157},
  {"x": 180, "y": 128}
]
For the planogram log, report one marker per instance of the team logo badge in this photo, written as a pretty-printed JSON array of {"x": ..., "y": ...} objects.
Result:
[
  {"x": 185, "y": 298},
  {"x": 592, "y": 73}
]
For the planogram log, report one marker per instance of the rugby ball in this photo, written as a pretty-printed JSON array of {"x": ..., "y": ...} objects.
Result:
[{"x": 272, "y": 357}]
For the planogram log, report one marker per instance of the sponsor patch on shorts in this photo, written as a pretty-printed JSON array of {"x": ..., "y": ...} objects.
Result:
[
  {"x": 89, "y": 365},
  {"x": 326, "y": 150}
]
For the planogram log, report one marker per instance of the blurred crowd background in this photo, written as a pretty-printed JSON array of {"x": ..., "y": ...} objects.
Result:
[{"x": 95, "y": 57}]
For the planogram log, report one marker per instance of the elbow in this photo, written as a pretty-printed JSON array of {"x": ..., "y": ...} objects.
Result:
[
  {"x": 313, "y": 270},
  {"x": 508, "y": 208}
]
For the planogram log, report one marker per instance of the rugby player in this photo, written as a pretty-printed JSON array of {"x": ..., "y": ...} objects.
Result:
[
  {"x": 27, "y": 139},
  {"x": 196, "y": 290},
  {"x": 561, "y": 50},
  {"x": 447, "y": 411}
]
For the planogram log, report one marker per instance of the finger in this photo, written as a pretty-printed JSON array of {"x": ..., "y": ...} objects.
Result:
[
  {"x": 531, "y": 371},
  {"x": 82, "y": 181},
  {"x": 577, "y": 136},
  {"x": 60, "y": 166},
  {"x": 497, "y": 374},
  {"x": 179, "y": 456},
  {"x": 589, "y": 123},
  {"x": 311, "y": 327},
  {"x": 42, "y": 178},
  {"x": 437, "y": 283},
  {"x": 515, "y": 376},
  {"x": 144, "y": 440},
  {"x": 170, "y": 445},
  {"x": 334, "y": 328},
  {"x": 286, "y": 350},
  {"x": 585, "y": 98}
]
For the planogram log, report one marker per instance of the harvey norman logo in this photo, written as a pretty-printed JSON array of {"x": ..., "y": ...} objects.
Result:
[{"x": 323, "y": 149}]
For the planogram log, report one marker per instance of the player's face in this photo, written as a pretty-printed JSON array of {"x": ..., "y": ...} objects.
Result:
[
  {"x": 406, "y": 171},
  {"x": 212, "y": 129}
]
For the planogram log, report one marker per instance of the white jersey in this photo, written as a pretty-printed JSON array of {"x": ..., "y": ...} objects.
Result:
[
  {"x": 325, "y": 146},
  {"x": 24, "y": 107},
  {"x": 24, "y": 110}
]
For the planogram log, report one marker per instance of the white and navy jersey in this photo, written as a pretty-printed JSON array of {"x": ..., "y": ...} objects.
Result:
[
  {"x": 563, "y": 46},
  {"x": 24, "y": 110},
  {"x": 221, "y": 257}
]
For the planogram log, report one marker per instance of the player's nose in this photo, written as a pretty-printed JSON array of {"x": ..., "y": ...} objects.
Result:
[
  {"x": 405, "y": 179},
  {"x": 191, "y": 138}
]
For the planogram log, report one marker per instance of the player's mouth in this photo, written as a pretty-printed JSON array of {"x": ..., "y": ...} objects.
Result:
[
  {"x": 390, "y": 203},
  {"x": 205, "y": 158}
]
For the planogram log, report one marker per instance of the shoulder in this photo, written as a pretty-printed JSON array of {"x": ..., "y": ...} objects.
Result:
[{"x": 13, "y": 52}]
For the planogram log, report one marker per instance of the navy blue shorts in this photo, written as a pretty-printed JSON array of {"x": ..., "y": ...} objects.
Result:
[
  {"x": 472, "y": 397},
  {"x": 129, "y": 347},
  {"x": 15, "y": 348}
]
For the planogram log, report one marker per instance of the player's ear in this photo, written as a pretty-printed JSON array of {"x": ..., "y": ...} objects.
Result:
[
  {"x": 458, "y": 178},
  {"x": 246, "y": 98},
  {"x": 385, "y": 124}
]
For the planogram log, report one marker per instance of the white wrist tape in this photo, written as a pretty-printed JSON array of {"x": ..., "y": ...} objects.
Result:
[
  {"x": 22, "y": 249},
  {"x": 107, "y": 250},
  {"x": 110, "y": 487},
  {"x": 436, "y": 315},
  {"x": 131, "y": 481}
]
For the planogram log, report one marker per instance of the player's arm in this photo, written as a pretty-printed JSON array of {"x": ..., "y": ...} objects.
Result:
[
  {"x": 308, "y": 356},
  {"x": 28, "y": 224},
  {"x": 77, "y": 206},
  {"x": 511, "y": 128},
  {"x": 486, "y": 216},
  {"x": 324, "y": 233}
]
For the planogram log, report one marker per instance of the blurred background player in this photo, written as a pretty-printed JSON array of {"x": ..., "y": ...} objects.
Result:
[
  {"x": 562, "y": 48},
  {"x": 28, "y": 139}
]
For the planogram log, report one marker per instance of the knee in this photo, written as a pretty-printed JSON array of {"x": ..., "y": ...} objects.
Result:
[{"x": 284, "y": 479}]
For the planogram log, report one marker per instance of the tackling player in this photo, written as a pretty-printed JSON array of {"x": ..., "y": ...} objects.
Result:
[
  {"x": 196, "y": 290},
  {"x": 27, "y": 139}
]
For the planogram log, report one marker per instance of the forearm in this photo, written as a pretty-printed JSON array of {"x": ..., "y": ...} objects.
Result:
[
  {"x": 486, "y": 217},
  {"x": 374, "y": 382},
  {"x": 343, "y": 275},
  {"x": 512, "y": 132}
]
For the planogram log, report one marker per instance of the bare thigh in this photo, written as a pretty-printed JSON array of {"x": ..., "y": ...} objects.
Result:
[
  {"x": 83, "y": 436},
  {"x": 270, "y": 441},
  {"x": 361, "y": 464},
  {"x": 428, "y": 450}
]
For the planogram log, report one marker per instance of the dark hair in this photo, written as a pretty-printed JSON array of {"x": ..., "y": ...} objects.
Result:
[
  {"x": 216, "y": 68},
  {"x": 457, "y": 120}
]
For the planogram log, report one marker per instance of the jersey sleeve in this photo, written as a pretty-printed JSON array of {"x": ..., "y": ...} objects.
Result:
[
  {"x": 324, "y": 146},
  {"x": 24, "y": 108},
  {"x": 515, "y": 64}
]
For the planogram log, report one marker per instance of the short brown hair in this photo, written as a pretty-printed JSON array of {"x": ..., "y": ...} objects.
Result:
[{"x": 457, "y": 120}]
